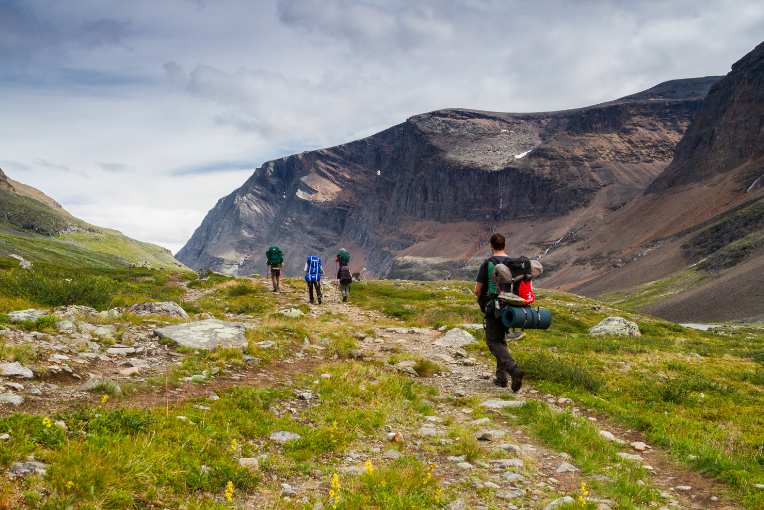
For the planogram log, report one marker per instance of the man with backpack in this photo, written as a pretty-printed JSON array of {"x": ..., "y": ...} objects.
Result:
[
  {"x": 313, "y": 272},
  {"x": 344, "y": 275},
  {"x": 275, "y": 260},
  {"x": 487, "y": 291}
]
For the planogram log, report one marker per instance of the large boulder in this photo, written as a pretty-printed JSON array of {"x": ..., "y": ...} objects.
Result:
[
  {"x": 26, "y": 315},
  {"x": 615, "y": 326},
  {"x": 164, "y": 309},
  {"x": 206, "y": 334},
  {"x": 15, "y": 370},
  {"x": 456, "y": 338},
  {"x": 75, "y": 312}
]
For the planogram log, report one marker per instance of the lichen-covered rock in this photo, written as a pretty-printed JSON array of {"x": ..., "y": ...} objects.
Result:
[
  {"x": 164, "y": 309},
  {"x": 75, "y": 312},
  {"x": 206, "y": 334},
  {"x": 293, "y": 313},
  {"x": 615, "y": 326},
  {"x": 15, "y": 370},
  {"x": 456, "y": 338},
  {"x": 27, "y": 315}
]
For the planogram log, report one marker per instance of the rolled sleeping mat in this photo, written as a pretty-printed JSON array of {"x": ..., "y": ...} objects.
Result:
[{"x": 526, "y": 318}]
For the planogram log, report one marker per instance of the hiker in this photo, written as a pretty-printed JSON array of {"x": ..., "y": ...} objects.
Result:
[
  {"x": 487, "y": 291},
  {"x": 275, "y": 260},
  {"x": 344, "y": 276},
  {"x": 313, "y": 272}
]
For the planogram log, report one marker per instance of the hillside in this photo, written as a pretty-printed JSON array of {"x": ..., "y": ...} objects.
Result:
[
  {"x": 703, "y": 216},
  {"x": 420, "y": 199},
  {"x": 35, "y": 227}
]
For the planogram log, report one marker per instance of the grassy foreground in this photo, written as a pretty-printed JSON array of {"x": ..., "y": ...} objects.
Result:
[{"x": 698, "y": 395}]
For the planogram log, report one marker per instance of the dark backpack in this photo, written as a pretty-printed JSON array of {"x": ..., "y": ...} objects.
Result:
[
  {"x": 274, "y": 256},
  {"x": 345, "y": 276},
  {"x": 343, "y": 257},
  {"x": 521, "y": 271}
]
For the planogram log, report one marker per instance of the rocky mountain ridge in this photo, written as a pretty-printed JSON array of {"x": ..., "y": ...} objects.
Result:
[{"x": 419, "y": 199}]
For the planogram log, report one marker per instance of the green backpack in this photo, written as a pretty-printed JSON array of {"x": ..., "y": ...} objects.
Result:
[
  {"x": 274, "y": 256},
  {"x": 343, "y": 257}
]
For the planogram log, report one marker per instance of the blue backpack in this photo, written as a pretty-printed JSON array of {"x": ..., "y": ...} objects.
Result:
[{"x": 314, "y": 269}]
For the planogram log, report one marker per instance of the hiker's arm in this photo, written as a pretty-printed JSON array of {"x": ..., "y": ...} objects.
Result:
[{"x": 478, "y": 288}]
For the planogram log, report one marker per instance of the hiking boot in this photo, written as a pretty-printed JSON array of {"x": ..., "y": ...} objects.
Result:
[
  {"x": 517, "y": 378},
  {"x": 514, "y": 335},
  {"x": 310, "y": 302},
  {"x": 319, "y": 301},
  {"x": 344, "y": 299},
  {"x": 500, "y": 382}
]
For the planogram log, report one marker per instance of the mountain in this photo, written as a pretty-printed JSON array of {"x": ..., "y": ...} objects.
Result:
[
  {"x": 420, "y": 199},
  {"x": 695, "y": 238},
  {"x": 35, "y": 227}
]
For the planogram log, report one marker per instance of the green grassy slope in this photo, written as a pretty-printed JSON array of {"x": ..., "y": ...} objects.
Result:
[{"x": 40, "y": 234}]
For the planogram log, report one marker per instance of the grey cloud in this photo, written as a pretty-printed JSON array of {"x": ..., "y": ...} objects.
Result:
[
  {"x": 22, "y": 35},
  {"x": 368, "y": 25},
  {"x": 59, "y": 168},
  {"x": 15, "y": 166},
  {"x": 94, "y": 34},
  {"x": 114, "y": 168}
]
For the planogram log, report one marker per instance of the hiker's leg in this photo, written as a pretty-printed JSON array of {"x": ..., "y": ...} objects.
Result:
[
  {"x": 494, "y": 338},
  {"x": 310, "y": 291},
  {"x": 275, "y": 274},
  {"x": 344, "y": 289},
  {"x": 319, "y": 292}
]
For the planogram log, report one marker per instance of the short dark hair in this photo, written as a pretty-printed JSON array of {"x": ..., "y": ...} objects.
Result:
[{"x": 498, "y": 241}]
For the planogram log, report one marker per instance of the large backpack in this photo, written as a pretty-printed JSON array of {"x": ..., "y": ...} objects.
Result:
[
  {"x": 343, "y": 256},
  {"x": 345, "y": 275},
  {"x": 314, "y": 269},
  {"x": 510, "y": 276},
  {"x": 274, "y": 256}
]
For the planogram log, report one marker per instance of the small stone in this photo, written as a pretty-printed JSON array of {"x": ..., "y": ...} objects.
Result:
[
  {"x": 392, "y": 454},
  {"x": 287, "y": 490},
  {"x": 508, "y": 463},
  {"x": 282, "y": 436},
  {"x": 61, "y": 423},
  {"x": 15, "y": 386},
  {"x": 615, "y": 326},
  {"x": 502, "y": 404},
  {"x": 566, "y": 467},
  {"x": 460, "y": 393},
  {"x": 249, "y": 462},
  {"x": 603, "y": 506},
  {"x": 758, "y": 486},
  {"x": 307, "y": 395},
  {"x": 120, "y": 351},
  {"x": 481, "y": 421},
  {"x": 66, "y": 326},
  {"x": 508, "y": 447},
  {"x": 388, "y": 428},
  {"x": 506, "y": 495},
  {"x": 130, "y": 371},
  {"x": 326, "y": 376},
  {"x": 566, "y": 500},
  {"x": 629, "y": 456},
  {"x": 465, "y": 465},
  {"x": 683, "y": 488},
  {"x": 455, "y": 338},
  {"x": 4, "y": 437},
  {"x": 104, "y": 383},
  {"x": 513, "y": 477},
  {"x": 457, "y": 504},
  {"x": 15, "y": 370},
  {"x": 11, "y": 398},
  {"x": 489, "y": 435},
  {"x": 639, "y": 446},
  {"x": 356, "y": 354},
  {"x": 292, "y": 313},
  {"x": 459, "y": 458}
]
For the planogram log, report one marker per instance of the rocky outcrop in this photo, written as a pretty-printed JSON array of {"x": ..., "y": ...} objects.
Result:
[
  {"x": 726, "y": 134},
  {"x": 385, "y": 196}
]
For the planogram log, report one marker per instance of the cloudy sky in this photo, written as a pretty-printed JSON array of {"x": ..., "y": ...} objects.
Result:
[{"x": 139, "y": 115}]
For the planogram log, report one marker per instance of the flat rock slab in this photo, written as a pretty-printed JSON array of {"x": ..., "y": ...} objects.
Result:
[
  {"x": 11, "y": 398},
  {"x": 27, "y": 315},
  {"x": 566, "y": 500},
  {"x": 455, "y": 338},
  {"x": 294, "y": 313},
  {"x": 164, "y": 308},
  {"x": 15, "y": 370},
  {"x": 502, "y": 404},
  {"x": 615, "y": 326},
  {"x": 74, "y": 312},
  {"x": 206, "y": 334}
]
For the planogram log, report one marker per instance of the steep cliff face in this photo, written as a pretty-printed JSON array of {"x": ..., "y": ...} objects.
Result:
[
  {"x": 434, "y": 187},
  {"x": 727, "y": 133},
  {"x": 704, "y": 216}
]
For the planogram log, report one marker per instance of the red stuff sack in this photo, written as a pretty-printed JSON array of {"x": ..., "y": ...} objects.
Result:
[{"x": 525, "y": 291}]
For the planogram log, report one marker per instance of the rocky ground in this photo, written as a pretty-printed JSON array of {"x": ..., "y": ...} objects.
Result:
[{"x": 90, "y": 349}]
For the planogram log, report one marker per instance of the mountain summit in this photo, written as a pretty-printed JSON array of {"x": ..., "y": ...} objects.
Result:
[{"x": 419, "y": 200}]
